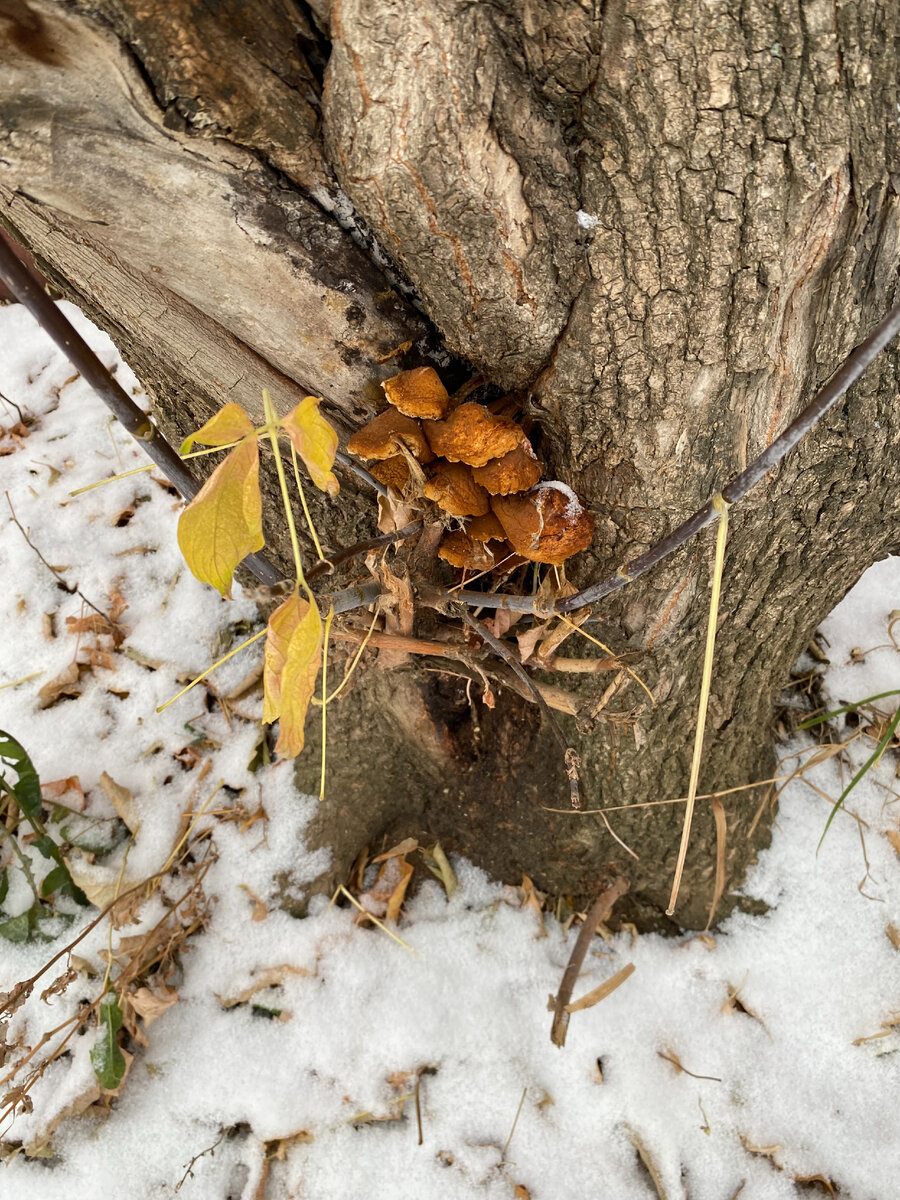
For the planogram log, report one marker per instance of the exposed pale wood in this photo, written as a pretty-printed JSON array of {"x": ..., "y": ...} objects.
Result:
[{"x": 197, "y": 227}]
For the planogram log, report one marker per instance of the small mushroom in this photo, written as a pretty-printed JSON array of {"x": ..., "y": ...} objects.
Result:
[
  {"x": 548, "y": 524},
  {"x": 452, "y": 487},
  {"x": 380, "y": 437},
  {"x": 458, "y": 549},
  {"x": 392, "y": 472},
  {"x": 514, "y": 472},
  {"x": 418, "y": 393},
  {"x": 473, "y": 435},
  {"x": 486, "y": 528}
]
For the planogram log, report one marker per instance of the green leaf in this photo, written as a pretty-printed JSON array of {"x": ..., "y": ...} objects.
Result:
[
  {"x": 18, "y": 929},
  {"x": 28, "y": 926},
  {"x": 4, "y": 885},
  {"x": 811, "y": 722},
  {"x": 54, "y": 879},
  {"x": 870, "y": 761},
  {"x": 28, "y": 788},
  {"x": 107, "y": 1059},
  {"x": 223, "y": 523},
  {"x": 60, "y": 877}
]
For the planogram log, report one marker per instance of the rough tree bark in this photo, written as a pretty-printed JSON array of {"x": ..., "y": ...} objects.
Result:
[{"x": 662, "y": 222}]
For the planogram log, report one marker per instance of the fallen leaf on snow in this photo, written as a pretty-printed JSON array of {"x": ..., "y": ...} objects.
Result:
[
  {"x": 121, "y": 800},
  {"x": 150, "y": 1005},
  {"x": 270, "y": 977},
  {"x": 64, "y": 684}
]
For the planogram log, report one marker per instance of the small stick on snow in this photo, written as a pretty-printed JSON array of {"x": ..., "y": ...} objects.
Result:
[{"x": 600, "y": 910}]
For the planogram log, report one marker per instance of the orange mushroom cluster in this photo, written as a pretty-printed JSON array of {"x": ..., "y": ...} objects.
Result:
[{"x": 477, "y": 466}]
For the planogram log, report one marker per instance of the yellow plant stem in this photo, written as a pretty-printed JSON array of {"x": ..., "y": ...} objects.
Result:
[
  {"x": 328, "y": 621},
  {"x": 306, "y": 513},
  {"x": 590, "y": 637},
  {"x": 187, "y": 833},
  {"x": 209, "y": 670},
  {"x": 89, "y": 487},
  {"x": 721, "y": 507},
  {"x": 24, "y": 679},
  {"x": 272, "y": 431},
  {"x": 340, "y": 687},
  {"x": 374, "y": 919}
]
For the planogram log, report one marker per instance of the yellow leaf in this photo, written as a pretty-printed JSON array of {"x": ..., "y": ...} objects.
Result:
[
  {"x": 230, "y": 424},
  {"x": 315, "y": 441},
  {"x": 223, "y": 523},
  {"x": 293, "y": 655}
]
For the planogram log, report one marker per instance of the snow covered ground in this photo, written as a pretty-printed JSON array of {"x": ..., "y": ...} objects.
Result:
[{"x": 733, "y": 1065}]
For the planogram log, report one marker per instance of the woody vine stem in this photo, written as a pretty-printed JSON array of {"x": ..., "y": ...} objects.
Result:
[{"x": 26, "y": 288}]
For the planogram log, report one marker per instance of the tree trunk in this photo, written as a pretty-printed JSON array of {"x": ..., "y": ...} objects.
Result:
[{"x": 663, "y": 224}]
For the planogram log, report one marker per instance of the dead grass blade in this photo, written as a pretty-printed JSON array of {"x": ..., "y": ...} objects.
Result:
[
  {"x": 718, "y": 809},
  {"x": 589, "y": 999}
]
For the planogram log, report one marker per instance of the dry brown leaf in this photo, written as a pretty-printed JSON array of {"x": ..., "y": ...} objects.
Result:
[
  {"x": 399, "y": 614},
  {"x": 394, "y": 513},
  {"x": 74, "y": 1108},
  {"x": 647, "y": 1159},
  {"x": 97, "y": 658},
  {"x": 59, "y": 984},
  {"x": 405, "y": 847},
  {"x": 150, "y": 1005},
  {"x": 502, "y": 621},
  {"x": 64, "y": 684},
  {"x": 894, "y": 935},
  {"x": 270, "y": 977},
  {"x": 894, "y": 838},
  {"x": 122, "y": 801},
  {"x": 528, "y": 641},
  {"x": 534, "y": 900},
  {"x": 521, "y": 1192},
  {"x": 101, "y": 885},
  {"x": 260, "y": 908},
  {"x": 600, "y": 993},
  {"x": 439, "y": 865},
  {"x": 734, "y": 1003},
  {"x": 70, "y": 788},
  {"x": 385, "y": 897}
]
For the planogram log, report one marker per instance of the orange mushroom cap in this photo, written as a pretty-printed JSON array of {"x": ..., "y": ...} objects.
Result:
[
  {"x": 514, "y": 472},
  {"x": 392, "y": 472},
  {"x": 379, "y": 438},
  {"x": 486, "y": 528},
  {"x": 452, "y": 487},
  {"x": 458, "y": 549},
  {"x": 473, "y": 435},
  {"x": 548, "y": 524},
  {"x": 418, "y": 393}
]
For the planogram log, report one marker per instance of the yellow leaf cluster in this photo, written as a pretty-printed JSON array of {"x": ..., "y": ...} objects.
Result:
[
  {"x": 293, "y": 657},
  {"x": 223, "y": 523},
  {"x": 230, "y": 424},
  {"x": 315, "y": 442}
]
